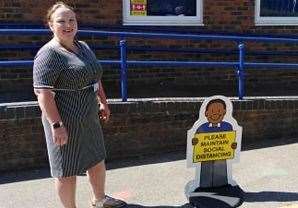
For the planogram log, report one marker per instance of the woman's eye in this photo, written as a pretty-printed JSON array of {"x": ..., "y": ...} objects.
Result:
[{"x": 60, "y": 21}]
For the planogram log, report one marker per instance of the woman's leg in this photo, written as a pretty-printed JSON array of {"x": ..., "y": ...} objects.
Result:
[
  {"x": 97, "y": 177},
  {"x": 66, "y": 188}
]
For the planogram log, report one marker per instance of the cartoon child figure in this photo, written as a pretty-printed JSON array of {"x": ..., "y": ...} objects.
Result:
[
  {"x": 215, "y": 112},
  {"x": 215, "y": 119}
]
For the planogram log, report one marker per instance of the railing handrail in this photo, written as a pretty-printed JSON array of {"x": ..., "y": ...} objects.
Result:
[
  {"x": 259, "y": 65},
  {"x": 240, "y": 65},
  {"x": 98, "y": 33}
]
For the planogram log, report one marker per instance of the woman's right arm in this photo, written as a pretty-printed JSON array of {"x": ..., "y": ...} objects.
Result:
[
  {"x": 46, "y": 69},
  {"x": 49, "y": 108}
]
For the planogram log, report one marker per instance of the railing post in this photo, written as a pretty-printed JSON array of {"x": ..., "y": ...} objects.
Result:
[
  {"x": 123, "y": 70},
  {"x": 240, "y": 71}
]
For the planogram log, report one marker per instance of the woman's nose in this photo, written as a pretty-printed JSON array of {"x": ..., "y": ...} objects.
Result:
[{"x": 68, "y": 24}]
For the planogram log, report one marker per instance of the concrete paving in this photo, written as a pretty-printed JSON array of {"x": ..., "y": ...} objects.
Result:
[{"x": 267, "y": 175}]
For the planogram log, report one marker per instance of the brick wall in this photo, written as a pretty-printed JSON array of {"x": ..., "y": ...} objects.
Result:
[
  {"x": 89, "y": 12},
  {"x": 222, "y": 16},
  {"x": 16, "y": 84},
  {"x": 145, "y": 127}
]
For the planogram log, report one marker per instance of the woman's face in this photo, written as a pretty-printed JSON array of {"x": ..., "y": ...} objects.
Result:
[{"x": 64, "y": 24}]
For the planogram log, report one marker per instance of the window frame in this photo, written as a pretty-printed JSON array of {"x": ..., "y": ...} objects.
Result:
[
  {"x": 162, "y": 20},
  {"x": 272, "y": 21}
]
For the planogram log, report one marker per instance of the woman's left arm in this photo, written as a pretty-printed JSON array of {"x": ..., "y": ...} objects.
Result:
[{"x": 104, "y": 108}]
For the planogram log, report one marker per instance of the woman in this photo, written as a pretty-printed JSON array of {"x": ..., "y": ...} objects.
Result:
[{"x": 66, "y": 78}]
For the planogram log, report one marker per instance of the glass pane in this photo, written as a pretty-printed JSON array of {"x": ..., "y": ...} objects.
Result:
[
  {"x": 163, "y": 7},
  {"x": 172, "y": 7},
  {"x": 279, "y": 8}
]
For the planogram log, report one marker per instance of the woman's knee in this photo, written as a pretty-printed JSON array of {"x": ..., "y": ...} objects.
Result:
[
  {"x": 99, "y": 167},
  {"x": 66, "y": 180}
]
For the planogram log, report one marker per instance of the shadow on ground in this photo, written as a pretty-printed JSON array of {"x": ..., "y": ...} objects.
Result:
[
  {"x": 268, "y": 142},
  {"x": 17, "y": 176},
  {"x": 270, "y": 196},
  {"x": 44, "y": 172},
  {"x": 249, "y": 197},
  {"x": 140, "y": 206}
]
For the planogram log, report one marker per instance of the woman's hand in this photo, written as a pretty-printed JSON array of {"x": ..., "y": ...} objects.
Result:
[
  {"x": 60, "y": 136},
  {"x": 104, "y": 112}
]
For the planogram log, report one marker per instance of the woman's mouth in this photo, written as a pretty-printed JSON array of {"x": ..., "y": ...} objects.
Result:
[{"x": 68, "y": 31}]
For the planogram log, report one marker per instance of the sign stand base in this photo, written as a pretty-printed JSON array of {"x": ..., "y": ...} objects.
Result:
[{"x": 217, "y": 197}]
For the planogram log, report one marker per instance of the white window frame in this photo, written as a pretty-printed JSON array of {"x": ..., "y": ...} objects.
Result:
[
  {"x": 163, "y": 20},
  {"x": 271, "y": 21}
]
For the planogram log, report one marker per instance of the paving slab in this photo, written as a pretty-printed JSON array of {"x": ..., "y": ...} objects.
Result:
[{"x": 268, "y": 176}]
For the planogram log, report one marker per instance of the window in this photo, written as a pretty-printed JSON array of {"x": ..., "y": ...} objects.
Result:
[
  {"x": 276, "y": 12},
  {"x": 162, "y": 12}
]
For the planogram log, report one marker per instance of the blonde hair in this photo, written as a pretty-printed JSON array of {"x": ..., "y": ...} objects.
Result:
[{"x": 56, "y": 6}]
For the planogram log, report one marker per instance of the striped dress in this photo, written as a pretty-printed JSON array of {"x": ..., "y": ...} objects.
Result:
[{"x": 68, "y": 74}]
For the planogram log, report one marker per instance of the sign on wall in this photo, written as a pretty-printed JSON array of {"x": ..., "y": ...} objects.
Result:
[{"x": 138, "y": 7}]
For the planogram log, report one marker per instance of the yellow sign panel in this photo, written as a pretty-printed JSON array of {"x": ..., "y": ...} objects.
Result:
[
  {"x": 138, "y": 7},
  {"x": 214, "y": 146}
]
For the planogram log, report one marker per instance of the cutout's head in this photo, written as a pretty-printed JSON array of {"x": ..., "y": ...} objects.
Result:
[{"x": 215, "y": 111}]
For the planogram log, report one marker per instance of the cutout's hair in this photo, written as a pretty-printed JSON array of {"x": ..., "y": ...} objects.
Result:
[
  {"x": 216, "y": 101},
  {"x": 56, "y": 6}
]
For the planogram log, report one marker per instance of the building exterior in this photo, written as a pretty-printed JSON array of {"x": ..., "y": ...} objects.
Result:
[
  {"x": 240, "y": 17},
  {"x": 21, "y": 134},
  {"x": 236, "y": 16}
]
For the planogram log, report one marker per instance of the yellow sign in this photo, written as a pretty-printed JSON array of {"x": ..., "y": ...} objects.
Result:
[
  {"x": 214, "y": 146},
  {"x": 138, "y": 7}
]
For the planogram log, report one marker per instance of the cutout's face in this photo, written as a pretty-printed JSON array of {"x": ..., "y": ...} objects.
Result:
[{"x": 215, "y": 113}]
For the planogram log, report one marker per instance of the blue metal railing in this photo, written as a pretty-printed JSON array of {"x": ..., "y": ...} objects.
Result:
[
  {"x": 217, "y": 51},
  {"x": 240, "y": 65},
  {"x": 97, "y": 33},
  {"x": 240, "y": 71},
  {"x": 123, "y": 70}
]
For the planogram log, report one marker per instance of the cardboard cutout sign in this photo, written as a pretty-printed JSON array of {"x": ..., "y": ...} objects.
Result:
[{"x": 213, "y": 143}]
